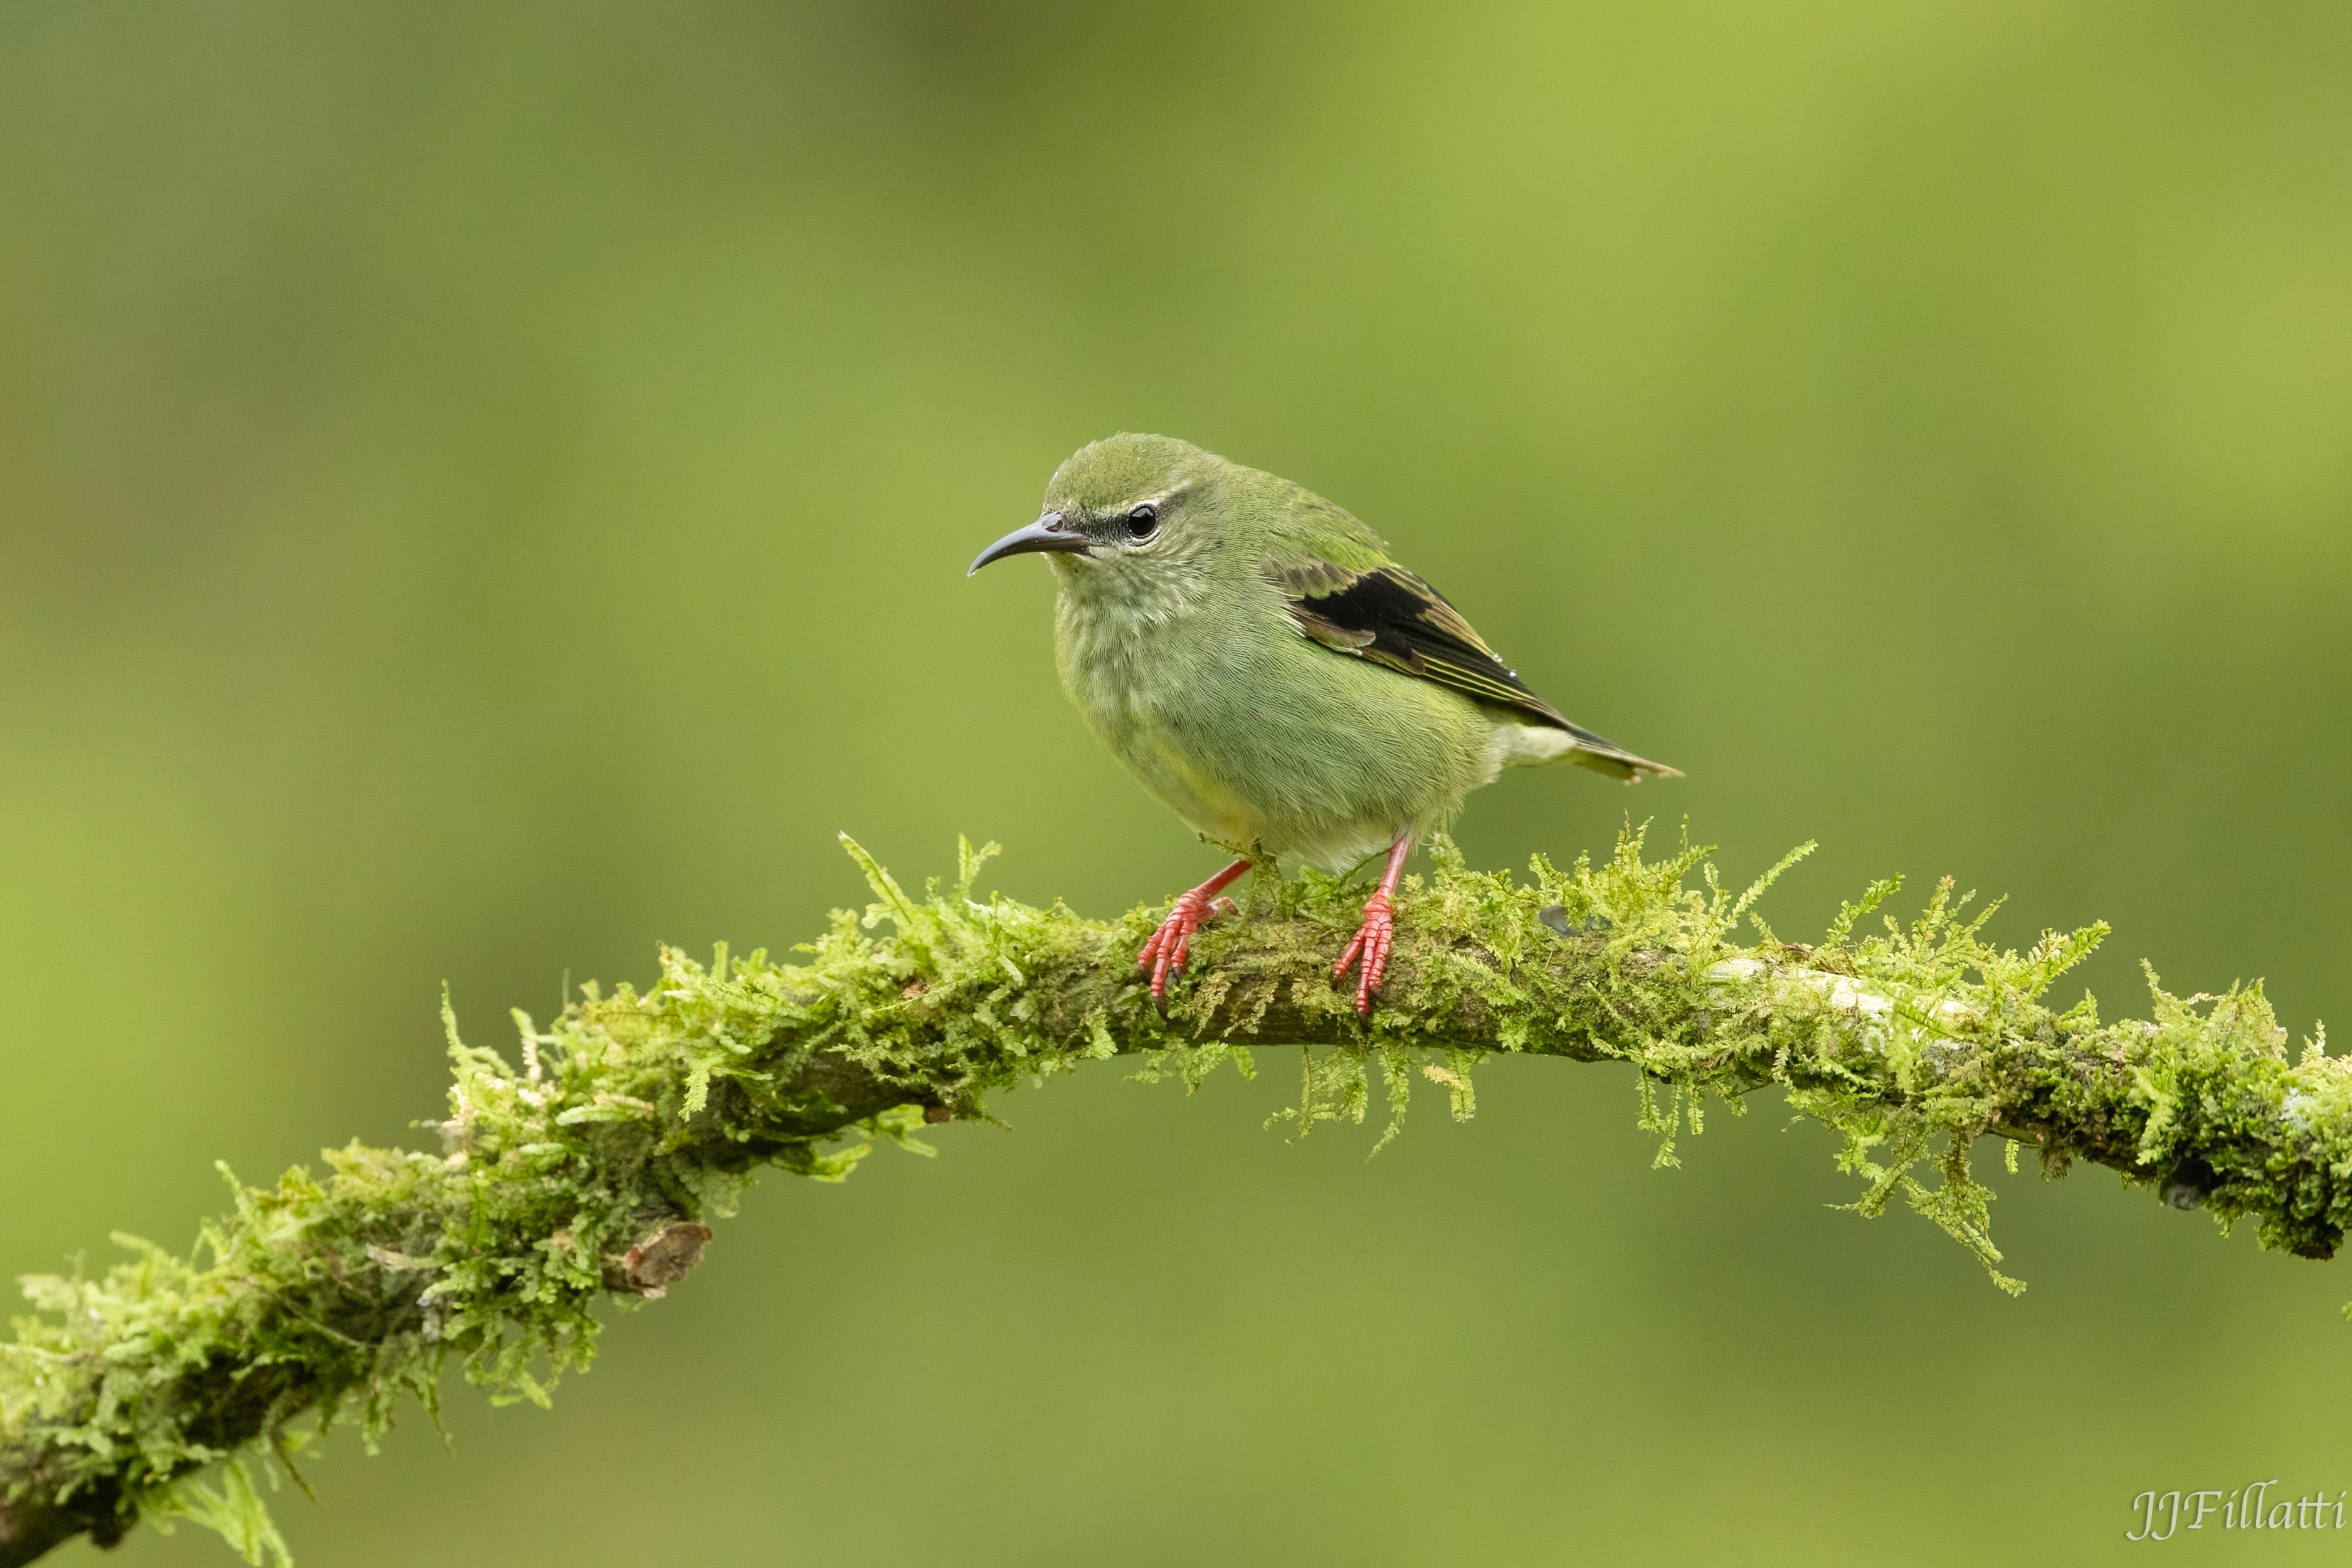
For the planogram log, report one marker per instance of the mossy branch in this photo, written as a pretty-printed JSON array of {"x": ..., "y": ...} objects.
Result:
[{"x": 588, "y": 1165}]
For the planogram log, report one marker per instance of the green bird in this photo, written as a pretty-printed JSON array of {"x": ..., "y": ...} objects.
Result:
[{"x": 1251, "y": 653}]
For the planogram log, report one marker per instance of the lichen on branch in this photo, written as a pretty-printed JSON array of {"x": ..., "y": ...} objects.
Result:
[{"x": 585, "y": 1165}]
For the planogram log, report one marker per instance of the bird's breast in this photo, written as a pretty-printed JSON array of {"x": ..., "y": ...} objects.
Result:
[
  {"x": 1252, "y": 734},
  {"x": 1157, "y": 689}
]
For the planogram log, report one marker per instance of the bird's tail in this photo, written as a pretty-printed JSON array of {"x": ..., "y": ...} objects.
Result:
[
  {"x": 1526, "y": 744},
  {"x": 1604, "y": 756}
]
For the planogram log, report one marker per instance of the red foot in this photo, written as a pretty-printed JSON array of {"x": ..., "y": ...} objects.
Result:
[
  {"x": 1373, "y": 941},
  {"x": 1163, "y": 956}
]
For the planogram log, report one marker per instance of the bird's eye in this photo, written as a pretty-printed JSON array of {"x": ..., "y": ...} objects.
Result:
[{"x": 1143, "y": 522}]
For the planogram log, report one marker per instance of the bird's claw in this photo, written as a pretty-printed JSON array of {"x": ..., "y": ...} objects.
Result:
[
  {"x": 1163, "y": 956},
  {"x": 1372, "y": 944}
]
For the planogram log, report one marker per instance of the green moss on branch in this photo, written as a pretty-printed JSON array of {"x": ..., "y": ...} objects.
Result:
[{"x": 586, "y": 1163}]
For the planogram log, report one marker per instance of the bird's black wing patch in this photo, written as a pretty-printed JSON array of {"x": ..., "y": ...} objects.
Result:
[{"x": 1388, "y": 616}]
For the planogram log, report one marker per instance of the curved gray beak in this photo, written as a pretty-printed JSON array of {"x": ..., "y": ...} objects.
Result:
[{"x": 1049, "y": 532}]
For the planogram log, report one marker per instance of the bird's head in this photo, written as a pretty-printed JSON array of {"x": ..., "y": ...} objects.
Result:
[{"x": 1127, "y": 514}]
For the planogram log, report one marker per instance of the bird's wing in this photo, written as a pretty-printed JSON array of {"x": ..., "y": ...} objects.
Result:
[
  {"x": 1387, "y": 615},
  {"x": 1384, "y": 614}
]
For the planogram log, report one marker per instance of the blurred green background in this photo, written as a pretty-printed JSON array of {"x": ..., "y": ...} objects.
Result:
[{"x": 486, "y": 487}]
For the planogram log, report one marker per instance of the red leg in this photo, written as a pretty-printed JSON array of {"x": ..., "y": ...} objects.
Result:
[
  {"x": 1377, "y": 933},
  {"x": 1163, "y": 956}
]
